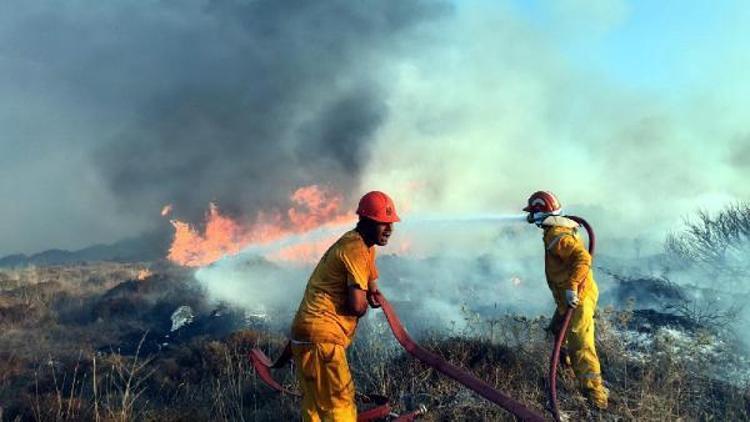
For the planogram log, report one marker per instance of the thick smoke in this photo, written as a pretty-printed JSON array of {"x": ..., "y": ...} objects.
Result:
[
  {"x": 516, "y": 109},
  {"x": 498, "y": 110},
  {"x": 111, "y": 110},
  {"x": 259, "y": 98},
  {"x": 437, "y": 272},
  {"x": 126, "y": 107}
]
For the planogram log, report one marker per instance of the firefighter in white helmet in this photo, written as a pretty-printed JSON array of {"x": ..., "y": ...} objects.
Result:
[{"x": 570, "y": 278}]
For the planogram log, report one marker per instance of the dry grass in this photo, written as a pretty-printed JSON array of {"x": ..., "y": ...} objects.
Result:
[{"x": 59, "y": 361}]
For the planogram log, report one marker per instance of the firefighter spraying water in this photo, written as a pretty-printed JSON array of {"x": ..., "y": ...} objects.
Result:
[
  {"x": 338, "y": 293},
  {"x": 570, "y": 278}
]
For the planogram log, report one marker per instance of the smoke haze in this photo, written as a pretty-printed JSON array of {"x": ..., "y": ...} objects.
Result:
[
  {"x": 109, "y": 111},
  {"x": 440, "y": 270},
  {"x": 508, "y": 114},
  {"x": 113, "y": 109}
]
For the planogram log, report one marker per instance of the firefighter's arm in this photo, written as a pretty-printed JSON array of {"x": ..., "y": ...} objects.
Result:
[
  {"x": 355, "y": 261},
  {"x": 575, "y": 254},
  {"x": 372, "y": 290},
  {"x": 356, "y": 301}
]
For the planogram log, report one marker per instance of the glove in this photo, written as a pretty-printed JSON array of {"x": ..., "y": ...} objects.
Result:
[{"x": 571, "y": 298}]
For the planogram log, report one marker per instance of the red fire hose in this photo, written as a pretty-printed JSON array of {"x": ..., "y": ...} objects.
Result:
[
  {"x": 430, "y": 359},
  {"x": 555, "y": 360},
  {"x": 262, "y": 364}
]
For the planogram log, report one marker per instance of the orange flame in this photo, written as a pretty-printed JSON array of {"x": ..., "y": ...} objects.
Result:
[
  {"x": 313, "y": 207},
  {"x": 304, "y": 253}
]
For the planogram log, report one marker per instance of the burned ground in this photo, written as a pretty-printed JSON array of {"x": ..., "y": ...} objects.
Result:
[{"x": 92, "y": 341}]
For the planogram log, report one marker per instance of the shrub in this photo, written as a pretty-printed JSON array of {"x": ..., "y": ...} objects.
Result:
[{"x": 717, "y": 243}]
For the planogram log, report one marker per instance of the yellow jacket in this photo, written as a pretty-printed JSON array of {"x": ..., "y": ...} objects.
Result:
[
  {"x": 567, "y": 262},
  {"x": 322, "y": 316}
]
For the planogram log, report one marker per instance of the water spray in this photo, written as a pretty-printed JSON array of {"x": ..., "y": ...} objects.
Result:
[
  {"x": 464, "y": 219},
  {"x": 329, "y": 230},
  {"x": 287, "y": 257}
]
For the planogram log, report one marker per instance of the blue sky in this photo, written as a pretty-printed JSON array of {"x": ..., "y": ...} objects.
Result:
[{"x": 655, "y": 45}]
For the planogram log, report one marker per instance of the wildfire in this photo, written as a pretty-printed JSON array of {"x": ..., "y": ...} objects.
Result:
[
  {"x": 312, "y": 207},
  {"x": 303, "y": 252}
]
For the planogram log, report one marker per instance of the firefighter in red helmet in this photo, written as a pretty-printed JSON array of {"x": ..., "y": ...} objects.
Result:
[
  {"x": 337, "y": 295},
  {"x": 570, "y": 278}
]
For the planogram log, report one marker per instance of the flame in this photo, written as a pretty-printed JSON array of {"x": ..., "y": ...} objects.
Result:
[
  {"x": 313, "y": 207},
  {"x": 303, "y": 253},
  {"x": 143, "y": 274}
]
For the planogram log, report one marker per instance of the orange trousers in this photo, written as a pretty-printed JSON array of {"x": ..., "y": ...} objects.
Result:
[{"x": 326, "y": 383}]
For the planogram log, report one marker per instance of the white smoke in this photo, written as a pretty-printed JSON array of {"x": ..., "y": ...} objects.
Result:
[
  {"x": 499, "y": 110},
  {"x": 437, "y": 270},
  {"x": 495, "y": 109}
]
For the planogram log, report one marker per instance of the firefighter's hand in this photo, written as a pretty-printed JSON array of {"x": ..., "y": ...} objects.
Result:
[
  {"x": 571, "y": 299},
  {"x": 372, "y": 300},
  {"x": 372, "y": 291}
]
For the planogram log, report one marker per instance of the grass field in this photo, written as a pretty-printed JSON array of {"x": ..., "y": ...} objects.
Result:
[{"x": 92, "y": 342}]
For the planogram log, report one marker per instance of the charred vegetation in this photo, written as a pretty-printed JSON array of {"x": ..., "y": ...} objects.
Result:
[{"x": 96, "y": 342}]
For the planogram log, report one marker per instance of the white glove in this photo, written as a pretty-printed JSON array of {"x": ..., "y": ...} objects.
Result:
[{"x": 571, "y": 298}]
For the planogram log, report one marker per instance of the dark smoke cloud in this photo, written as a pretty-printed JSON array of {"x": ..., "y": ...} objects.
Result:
[
  {"x": 129, "y": 106},
  {"x": 258, "y": 98}
]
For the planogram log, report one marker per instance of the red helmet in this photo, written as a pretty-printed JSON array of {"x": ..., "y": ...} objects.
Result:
[
  {"x": 543, "y": 201},
  {"x": 377, "y": 206}
]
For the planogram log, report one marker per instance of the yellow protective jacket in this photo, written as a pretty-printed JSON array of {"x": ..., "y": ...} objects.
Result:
[
  {"x": 567, "y": 262},
  {"x": 322, "y": 316}
]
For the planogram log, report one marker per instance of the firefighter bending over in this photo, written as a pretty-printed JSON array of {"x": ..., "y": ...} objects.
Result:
[
  {"x": 571, "y": 280},
  {"x": 336, "y": 296}
]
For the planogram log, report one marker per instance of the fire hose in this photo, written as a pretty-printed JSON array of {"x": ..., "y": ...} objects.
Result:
[
  {"x": 560, "y": 338},
  {"x": 473, "y": 383},
  {"x": 262, "y": 364}
]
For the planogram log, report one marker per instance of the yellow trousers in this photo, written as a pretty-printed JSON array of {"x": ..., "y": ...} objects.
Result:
[
  {"x": 582, "y": 350},
  {"x": 326, "y": 383}
]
